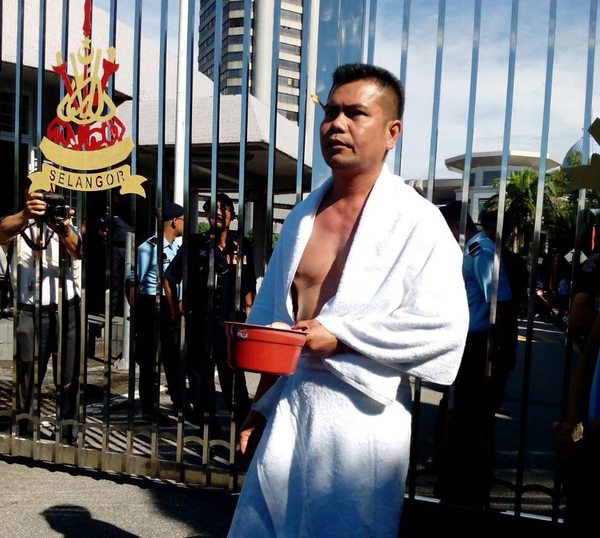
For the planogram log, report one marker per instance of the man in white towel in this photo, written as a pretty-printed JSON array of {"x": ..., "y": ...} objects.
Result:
[{"x": 369, "y": 269}]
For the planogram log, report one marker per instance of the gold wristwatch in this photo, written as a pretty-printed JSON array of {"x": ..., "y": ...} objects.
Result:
[{"x": 577, "y": 432}]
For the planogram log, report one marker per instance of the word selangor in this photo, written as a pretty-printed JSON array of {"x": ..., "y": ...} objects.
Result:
[{"x": 80, "y": 181}]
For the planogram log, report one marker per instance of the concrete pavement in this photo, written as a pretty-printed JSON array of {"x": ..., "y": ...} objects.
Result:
[{"x": 46, "y": 500}]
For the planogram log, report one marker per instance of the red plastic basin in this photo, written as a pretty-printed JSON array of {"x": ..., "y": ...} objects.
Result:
[{"x": 256, "y": 348}]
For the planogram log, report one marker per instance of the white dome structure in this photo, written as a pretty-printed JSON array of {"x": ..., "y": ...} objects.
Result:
[{"x": 578, "y": 147}]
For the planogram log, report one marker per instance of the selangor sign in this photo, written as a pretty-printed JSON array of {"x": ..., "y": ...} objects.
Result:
[{"x": 86, "y": 138}]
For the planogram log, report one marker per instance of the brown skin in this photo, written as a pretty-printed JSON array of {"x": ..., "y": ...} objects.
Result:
[
  {"x": 11, "y": 225},
  {"x": 579, "y": 396},
  {"x": 358, "y": 129}
]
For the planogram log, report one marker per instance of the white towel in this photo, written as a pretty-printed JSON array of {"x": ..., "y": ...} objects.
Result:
[{"x": 401, "y": 304}]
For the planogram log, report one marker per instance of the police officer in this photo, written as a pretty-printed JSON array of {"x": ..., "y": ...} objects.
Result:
[
  {"x": 205, "y": 332},
  {"x": 146, "y": 275},
  {"x": 466, "y": 459}
]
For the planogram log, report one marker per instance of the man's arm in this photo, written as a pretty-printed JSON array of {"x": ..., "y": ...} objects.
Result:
[
  {"x": 11, "y": 225},
  {"x": 579, "y": 397},
  {"x": 252, "y": 428},
  {"x": 172, "y": 277},
  {"x": 143, "y": 261},
  {"x": 70, "y": 238},
  {"x": 35, "y": 207},
  {"x": 172, "y": 299},
  {"x": 248, "y": 300}
]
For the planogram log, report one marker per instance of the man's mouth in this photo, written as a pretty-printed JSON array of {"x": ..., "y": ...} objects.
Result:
[{"x": 336, "y": 144}]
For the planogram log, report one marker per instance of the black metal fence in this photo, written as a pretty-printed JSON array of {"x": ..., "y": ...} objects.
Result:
[{"x": 193, "y": 137}]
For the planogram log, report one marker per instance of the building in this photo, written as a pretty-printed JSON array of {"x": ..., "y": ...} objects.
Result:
[
  {"x": 487, "y": 167},
  {"x": 230, "y": 75}
]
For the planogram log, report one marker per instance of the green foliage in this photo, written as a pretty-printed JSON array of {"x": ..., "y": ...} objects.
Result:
[
  {"x": 203, "y": 227},
  {"x": 559, "y": 208},
  {"x": 274, "y": 237}
]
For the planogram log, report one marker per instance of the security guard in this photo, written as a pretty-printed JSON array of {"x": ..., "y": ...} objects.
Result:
[
  {"x": 146, "y": 275},
  {"x": 226, "y": 307},
  {"x": 467, "y": 458}
]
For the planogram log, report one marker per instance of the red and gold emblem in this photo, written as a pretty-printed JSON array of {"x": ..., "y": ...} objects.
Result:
[{"x": 86, "y": 140}]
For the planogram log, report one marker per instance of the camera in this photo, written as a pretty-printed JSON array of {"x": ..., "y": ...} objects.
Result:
[{"x": 56, "y": 209}]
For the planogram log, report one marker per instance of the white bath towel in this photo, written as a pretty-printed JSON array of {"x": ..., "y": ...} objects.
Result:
[{"x": 400, "y": 305}]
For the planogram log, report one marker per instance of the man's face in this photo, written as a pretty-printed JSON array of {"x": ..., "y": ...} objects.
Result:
[
  {"x": 223, "y": 219},
  {"x": 359, "y": 126},
  {"x": 178, "y": 223}
]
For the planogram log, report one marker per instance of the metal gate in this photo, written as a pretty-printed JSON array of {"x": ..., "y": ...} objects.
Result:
[{"x": 496, "y": 92}]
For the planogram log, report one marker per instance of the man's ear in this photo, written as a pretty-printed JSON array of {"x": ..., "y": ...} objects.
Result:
[{"x": 394, "y": 130}]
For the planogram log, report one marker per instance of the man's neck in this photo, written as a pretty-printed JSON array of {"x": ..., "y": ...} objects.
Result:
[
  {"x": 221, "y": 237},
  {"x": 169, "y": 233},
  {"x": 349, "y": 184}
]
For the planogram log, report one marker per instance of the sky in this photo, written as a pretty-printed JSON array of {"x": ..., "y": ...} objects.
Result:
[
  {"x": 567, "y": 100},
  {"x": 567, "y": 103}
]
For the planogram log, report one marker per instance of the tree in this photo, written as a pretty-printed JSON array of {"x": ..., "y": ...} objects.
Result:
[
  {"x": 520, "y": 207},
  {"x": 559, "y": 209}
]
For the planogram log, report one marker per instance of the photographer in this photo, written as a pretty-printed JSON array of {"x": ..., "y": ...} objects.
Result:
[{"x": 38, "y": 229}]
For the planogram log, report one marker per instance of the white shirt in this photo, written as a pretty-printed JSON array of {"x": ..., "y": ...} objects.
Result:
[{"x": 50, "y": 268}]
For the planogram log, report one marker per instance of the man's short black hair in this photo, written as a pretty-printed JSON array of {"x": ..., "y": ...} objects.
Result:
[
  {"x": 224, "y": 200},
  {"x": 344, "y": 74}
]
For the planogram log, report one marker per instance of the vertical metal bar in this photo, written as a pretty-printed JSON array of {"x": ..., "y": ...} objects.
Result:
[
  {"x": 505, "y": 152},
  {"x": 130, "y": 257},
  {"x": 61, "y": 286},
  {"x": 370, "y": 31},
  {"x": 304, "y": 52},
  {"x": 209, "y": 364},
  {"x": 17, "y": 160},
  {"x": 326, "y": 61},
  {"x": 436, "y": 100},
  {"x": 81, "y": 352},
  {"x": 469, "y": 149},
  {"x": 108, "y": 320},
  {"x": 502, "y": 194},
  {"x": 587, "y": 121},
  {"x": 160, "y": 177},
  {"x": 185, "y": 68},
  {"x": 272, "y": 154},
  {"x": 245, "y": 93},
  {"x": 535, "y": 252},
  {"x": 471, "y": 120},
  {"x": 403, "y": 68},
  {"x": 39, "y": 123}
]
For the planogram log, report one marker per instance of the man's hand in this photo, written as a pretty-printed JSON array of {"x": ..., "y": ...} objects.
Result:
[
  {"x": 35, "y": 207},
  {"x": 250, "y": 433},
  {"x": 320, "y": 342},
  {"x": 63, "y": 229}
]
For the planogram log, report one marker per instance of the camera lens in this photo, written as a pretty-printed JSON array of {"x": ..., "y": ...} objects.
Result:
[{"x": 58, "y": 213}]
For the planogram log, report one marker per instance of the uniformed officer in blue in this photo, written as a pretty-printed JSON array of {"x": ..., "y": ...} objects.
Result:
[
  {"x": 205, "y": 333},
  {"x": 467, "y": 460},
  {"x": 146, "y": 275}
]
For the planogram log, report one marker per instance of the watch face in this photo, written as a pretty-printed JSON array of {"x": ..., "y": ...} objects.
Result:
[{"x": 577, "y": 432}]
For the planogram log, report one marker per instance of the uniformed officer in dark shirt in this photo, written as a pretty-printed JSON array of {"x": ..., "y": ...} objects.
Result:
[{"x": 205, "y": 330}]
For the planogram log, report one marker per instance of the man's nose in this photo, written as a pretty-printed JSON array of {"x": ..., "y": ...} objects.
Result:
[{"x": 339, "y": 123}]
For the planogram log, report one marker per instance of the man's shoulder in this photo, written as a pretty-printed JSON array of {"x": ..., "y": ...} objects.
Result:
[
  {"x": 479, "y": 245},
  {"x": 148, "y": 244}
]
